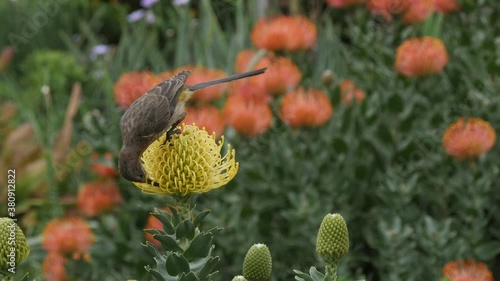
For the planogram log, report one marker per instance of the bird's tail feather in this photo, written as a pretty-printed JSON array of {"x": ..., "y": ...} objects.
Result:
[{"x": 225, "y": 79}]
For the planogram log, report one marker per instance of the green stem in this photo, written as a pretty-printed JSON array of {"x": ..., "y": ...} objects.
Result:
[
  {"x": 331, "y": 269},
  {"x": 184, "y": 206}
]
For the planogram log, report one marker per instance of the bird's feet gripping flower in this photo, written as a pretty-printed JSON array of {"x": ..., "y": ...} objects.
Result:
[{"x": 157, "y": 113}]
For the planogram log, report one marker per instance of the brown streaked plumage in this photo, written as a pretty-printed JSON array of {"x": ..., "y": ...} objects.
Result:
[{"x": 158, "y": 111}]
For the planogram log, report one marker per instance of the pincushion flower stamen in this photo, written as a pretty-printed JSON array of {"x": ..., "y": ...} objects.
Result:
[{"x": 189, "y": 163}]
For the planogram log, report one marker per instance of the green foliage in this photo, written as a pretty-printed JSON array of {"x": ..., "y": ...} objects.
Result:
[
  {"x": 186, "y": 251},
  {"x": 410, "y": 207}
]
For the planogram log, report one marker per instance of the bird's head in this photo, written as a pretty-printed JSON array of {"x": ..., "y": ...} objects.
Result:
[{"x": 129, "y": 165}]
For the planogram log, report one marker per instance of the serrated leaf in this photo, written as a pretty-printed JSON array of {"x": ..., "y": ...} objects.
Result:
[
  {"x": 208, "y": 267},
  {"x": 155, "y": 274},
  {"x": 199, "y": 247},
  {"x": 188, "y": 277},
  {"x": 162, "y": 216},
  {"x": 151, "y": 248},
  {"x": 200, "y": 217},
  {"x": 168, "y": 243},
  {"x": 185, "y": 230},
  {"x": 315, "y": 274},
  {"x": 176, "y": 264}
]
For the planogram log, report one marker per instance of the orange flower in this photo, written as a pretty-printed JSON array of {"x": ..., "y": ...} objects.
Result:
[
  {"x": 387, "y": 8},
  {"x": 53, "y": 267},
  {"x": 446, "y": 6},
  {"x": 69, "y": 235},
  {"x": 103, "y": 166},
  {"x": 6, "y": 57},
  {"x": 344, "y": 3},
  {"x": 281, "y": 75},
  {"x": 98, "y": 197},
  {"x": 132, "y": 85},
  {"x": 467, "y": 270},
  {"x": 207, "y": 116},
  {"x": 303, "y": 108},
  {"x": 248, "y": 115},
  {"x": 469, "y": 138},
  {"x": 418, "y": 11},
  {"x": 288, "y": 33},
  {"x": 421, "y": 56},
  {"x": 349, "y": 92},
  {"x": 201, "y": 74}
]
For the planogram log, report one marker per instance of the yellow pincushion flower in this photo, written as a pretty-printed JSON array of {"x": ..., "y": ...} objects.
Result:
[{"x": 190, "y": 162}]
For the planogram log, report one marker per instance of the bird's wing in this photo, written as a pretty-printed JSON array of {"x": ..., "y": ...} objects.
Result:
[
  {"x": 172, "y": 87},
  {"x": 147, "y": 117}
]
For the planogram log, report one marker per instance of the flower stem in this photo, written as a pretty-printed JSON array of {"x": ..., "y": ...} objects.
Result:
[
  {"x": 184, "y": 206},
  {"x": 331, "y": 269}
]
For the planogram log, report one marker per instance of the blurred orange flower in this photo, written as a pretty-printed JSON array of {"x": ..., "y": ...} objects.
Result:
[
  {"x": 349, "y": 92},
  {"x": 281, "y": 75},
  {"x": 103, "y": 166},
  {"x": 421, "y": 56},
  {"x": 344, "y": 3},
  {"x": 201, "y": 74},
  {"x": 69, "y": 235},
  {"x": 207, "y": 116},
  {"x": 418, "y": 11},
  {"x": 288, "y": 33},
  {"x": 132, "y": 85},
  {"x": 248, "y": 115},
  {"x": 469, "y": 138},
  {"x": 465, "y": 270},
  {"x": 6, "y": 57},
  {"x": 306, "y": 108},
  {"x": 53, "y": 267},
  {"x": 98, "y": 197},
  {"x": 446, "y": 6},
  {"x": 387, "y": 8}
]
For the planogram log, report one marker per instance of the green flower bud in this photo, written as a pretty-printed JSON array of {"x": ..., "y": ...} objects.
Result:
[
  {"x": 13, "y": 246},
  {"x": 258, "y": 263},
  {"x": 333, "y": 239},
  {"x": 239, "y": 278}
]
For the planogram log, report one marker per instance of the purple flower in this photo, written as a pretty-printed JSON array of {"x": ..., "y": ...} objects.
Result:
[
  {"x": 148, "y": 3},
  {"x": 99, "y": 50},
  {"x": 150, "y": 17},
  {"x": 180, "y": 2},
  {"x": 136, "y": 15}
]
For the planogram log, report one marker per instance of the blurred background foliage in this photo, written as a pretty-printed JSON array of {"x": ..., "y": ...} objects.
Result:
[{"x": 409, "y": 207}]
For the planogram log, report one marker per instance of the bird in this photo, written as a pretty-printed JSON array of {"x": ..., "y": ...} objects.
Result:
[{"x": 159, "y": 111}]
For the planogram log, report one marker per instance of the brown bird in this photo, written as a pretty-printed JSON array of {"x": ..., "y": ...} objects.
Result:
[{"x": 158, "y": 111}]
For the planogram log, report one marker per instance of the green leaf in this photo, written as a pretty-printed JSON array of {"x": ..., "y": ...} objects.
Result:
[
  {"x": 188, "y": 277},
  {"x": 164, "y": 218},
  {"x": 208, "y": 268},
  {"x": 200, "y": 217},
  {"x": 200, "y": 247},
  {"x": 301, "y": 276},
  {"x": 155, "y": 274},
  {"x": 315, "y": 274},
  {"x": 176, "y": 219},
  {"x": 488, "y": 250},
  {"x": 185, "y": 230},
  {"x": 176, "y": 264},
  {"x": 151, "y": 248},
  {"x": 168, "y": 243}
]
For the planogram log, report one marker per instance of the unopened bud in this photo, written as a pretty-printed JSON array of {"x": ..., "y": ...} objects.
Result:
[
  {"x": 13, "y": 246},
  {"x": 239, "y": 278},
  {"x": 258, "y": 263},
  {"x": 333, "y": 239},
  {"x": 327, "y": 77}
]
